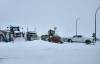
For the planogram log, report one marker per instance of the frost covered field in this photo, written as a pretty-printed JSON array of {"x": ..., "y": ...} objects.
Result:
[{"x": 41, "y": 52}]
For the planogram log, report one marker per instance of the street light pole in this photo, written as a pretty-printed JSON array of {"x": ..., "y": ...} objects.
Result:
[
  {"x": 96, "y": 20},
  {"x": 76, "y": 26}
]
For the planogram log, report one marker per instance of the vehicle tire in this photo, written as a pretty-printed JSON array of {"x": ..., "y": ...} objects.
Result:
[
  {"x": 49, "y": 40},
  {"x": 61, "y": 42},
  {"x": 87, "y": 41},
  {"x": 69, "y": 40}
]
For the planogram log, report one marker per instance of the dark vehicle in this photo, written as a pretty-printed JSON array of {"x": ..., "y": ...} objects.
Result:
[
  {"x": 5, "y": 36},
  {"x": 31, "y": 36},
  {"x": 15, "y": 30},
  {"x": 45, "y": 37}
]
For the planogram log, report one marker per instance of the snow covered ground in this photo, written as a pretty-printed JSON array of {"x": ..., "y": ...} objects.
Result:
[{"x": 41, "y": 52}]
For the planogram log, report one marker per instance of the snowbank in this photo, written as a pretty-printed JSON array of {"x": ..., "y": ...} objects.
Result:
[{"x": 41, "y": 52}]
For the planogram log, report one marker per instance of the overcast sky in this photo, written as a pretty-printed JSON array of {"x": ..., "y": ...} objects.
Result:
[{"x": 44, "y": 14}]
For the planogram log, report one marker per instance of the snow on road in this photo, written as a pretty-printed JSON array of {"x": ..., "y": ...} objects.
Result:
[{"x": 41, "y": 52}]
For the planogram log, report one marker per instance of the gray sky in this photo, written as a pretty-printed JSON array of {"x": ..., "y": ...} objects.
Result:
[{"x": 44, "y": 14}]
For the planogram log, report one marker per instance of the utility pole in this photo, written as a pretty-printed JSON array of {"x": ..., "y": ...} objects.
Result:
[
  {"x": 95, "y": 21},
  {"x": 27, "y": 29},
  {"x": 0, "y": 27},
  {"x": 35, "y": 29},
  {"x": 76, "y": 25}
]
